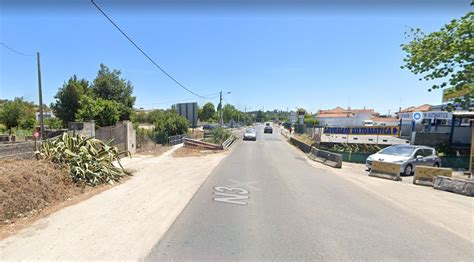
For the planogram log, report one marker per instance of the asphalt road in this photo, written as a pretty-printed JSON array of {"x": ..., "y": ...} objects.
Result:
[{"x": 264, "y": 201}]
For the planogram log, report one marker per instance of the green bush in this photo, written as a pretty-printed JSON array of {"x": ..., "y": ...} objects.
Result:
[
  {"x": 219, "y": 135},
  {"x": 53, "y": 123},
  {"x": 168, "y": 123},
  {"x": 90, "y": 160}
]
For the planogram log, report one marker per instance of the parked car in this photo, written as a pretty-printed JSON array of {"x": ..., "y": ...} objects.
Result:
[
  {"x": 250, "y": 134},
  {"x": 208, "y": 127},
  {"x": 408, "y": 156},
  {"x": 268, "y": 129}
]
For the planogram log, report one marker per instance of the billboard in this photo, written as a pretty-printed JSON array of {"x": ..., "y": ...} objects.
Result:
[
  {"x": 292, "y": 117},
  {"x": 449, "y": 94},
  {"x": 363, "y": 130},
  {"x": 189, "y": 111}
]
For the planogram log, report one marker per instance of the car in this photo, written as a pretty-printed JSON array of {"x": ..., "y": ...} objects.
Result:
[
  {"x": 250, "y": 134},
  {"x": 408, "y": 156},
  {"x": 268, "y": 129},
  {"x": 208, "y": 127}
]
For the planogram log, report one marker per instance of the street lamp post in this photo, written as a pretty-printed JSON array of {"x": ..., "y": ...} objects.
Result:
[{"x": 222, "y": 107}]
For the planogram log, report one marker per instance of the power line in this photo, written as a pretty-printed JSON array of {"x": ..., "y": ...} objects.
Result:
[
  {"x": 13, "y": 50},
  {"x": 175, "y": 101},
  {"x": 146, "y": 55}
]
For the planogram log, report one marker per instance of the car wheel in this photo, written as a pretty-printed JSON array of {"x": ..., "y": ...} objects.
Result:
[
  {"x": 408, "y": 170},
  {"x": 436, "y": 164}
]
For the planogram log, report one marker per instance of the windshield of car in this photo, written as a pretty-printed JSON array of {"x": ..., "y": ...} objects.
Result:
[
  {"x": 398, "y": 151},
  {"x": 250, "y": 130}
]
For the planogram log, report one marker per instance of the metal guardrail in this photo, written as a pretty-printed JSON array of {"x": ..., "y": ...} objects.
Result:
[
  {"x": 201, "y": 144},
  {"x": 228, "y": 142},
  {"x": 177, "y": 139}
]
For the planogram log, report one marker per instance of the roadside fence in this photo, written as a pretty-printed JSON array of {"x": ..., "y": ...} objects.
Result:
[{"x": 177, "y": 139}]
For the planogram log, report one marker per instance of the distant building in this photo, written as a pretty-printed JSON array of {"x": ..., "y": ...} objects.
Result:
[
  {"x": 385, "y": 121},
  {"x": 344, "y": 117},
  {"x": 46, "y": 115},
  {"x": 422, "y": 108}
]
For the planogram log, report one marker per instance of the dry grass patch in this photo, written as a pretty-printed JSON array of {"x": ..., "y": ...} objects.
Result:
[
  {"x": 30, "y": 189},
  {"x": 154, "y": 151},
  {"x": 193, "y": 152}
]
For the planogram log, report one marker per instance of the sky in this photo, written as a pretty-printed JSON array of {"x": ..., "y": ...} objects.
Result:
[{"x": 268, "y": 57}]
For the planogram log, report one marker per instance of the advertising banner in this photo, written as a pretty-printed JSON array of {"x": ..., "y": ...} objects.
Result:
[
  {"x": 430, "y": 115},
  {"x": 363, "y": 130}
]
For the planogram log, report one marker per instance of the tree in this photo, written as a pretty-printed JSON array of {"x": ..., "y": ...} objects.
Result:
[
  {"x": 53, "y": 123},
  {"x": 229, "y": 112},
  {"x": 207, "y": 112},
  {"x": 445, "y": 55},
  {"x": 109, "y": 85},
  {"x": 68, "y": 99},
  {"x": 17, "y": 113},
  {"x": 260, "y": 117},
  {"x": 142, "y": 117},
  {"x": 103, "y": 112},
  {"x": 168, "y": 123}
]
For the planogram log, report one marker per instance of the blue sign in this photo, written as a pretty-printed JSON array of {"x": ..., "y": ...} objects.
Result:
[
  {"x": 363, "y": 130},
  {"x": 417, "y": 116}
]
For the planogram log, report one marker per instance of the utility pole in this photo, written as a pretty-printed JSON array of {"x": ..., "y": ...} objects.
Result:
[
  {"x": 222, "y": 107},
  {"x": 221, "y": 121},
  {"x": 40, "y": 97}
]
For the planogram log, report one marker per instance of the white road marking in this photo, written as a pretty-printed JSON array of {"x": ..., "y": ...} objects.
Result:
[{"x": 238, "y": 197}]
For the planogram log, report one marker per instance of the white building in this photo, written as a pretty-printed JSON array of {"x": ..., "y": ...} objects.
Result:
[{"x": 344, "y": 117}]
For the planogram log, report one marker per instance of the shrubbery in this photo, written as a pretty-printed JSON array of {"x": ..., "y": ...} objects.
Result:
[
  {"x": 168, "y": 123},
  {"x": 90, "y": 160},
  {"x": 219, "y": 135}
]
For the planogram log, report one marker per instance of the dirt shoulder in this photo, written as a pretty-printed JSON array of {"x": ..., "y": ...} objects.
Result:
[
  {"x": 193, "y": 152},
  {"x": 130, "y": 217}
]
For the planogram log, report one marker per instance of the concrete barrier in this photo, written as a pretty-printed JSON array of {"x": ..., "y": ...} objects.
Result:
[
  {"x": 325, "y": 157},
  {"x": 300, "y": 144},
  {"x": 385, "y": 170},
  {"x": 455, "y": 185},
  {"x": 425, "y": 175}
]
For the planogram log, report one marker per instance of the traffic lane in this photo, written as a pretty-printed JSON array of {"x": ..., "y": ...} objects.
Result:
[
  {"x": 358, "y": 224},
  {"x": 263, "y": 228},
  {"x": 296, "y": 211}
]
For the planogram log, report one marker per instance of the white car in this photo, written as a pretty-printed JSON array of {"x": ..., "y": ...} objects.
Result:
[
  {"x": 408, "y": 156},
  {"x": 250, "y": 134}
]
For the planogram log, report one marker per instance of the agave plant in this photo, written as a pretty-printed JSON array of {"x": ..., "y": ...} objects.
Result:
[{"x": 90, "y": 160}]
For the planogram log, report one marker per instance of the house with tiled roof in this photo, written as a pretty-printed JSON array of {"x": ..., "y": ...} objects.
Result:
[
  {"x": 344, "y": 117},
  {"x": 422, "y": 108}
]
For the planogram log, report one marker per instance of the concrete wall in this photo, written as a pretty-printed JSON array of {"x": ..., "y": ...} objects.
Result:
[
  {"x": 356, "y": 120},
  {"x": 21, "y": 149},
  {"x": 357, "y": 139},
  {"x": 122, "y": 135},
  {"x": 86, "y": 129}
]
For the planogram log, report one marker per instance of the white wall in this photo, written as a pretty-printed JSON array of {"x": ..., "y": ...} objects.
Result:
[{"x": 356, "y": 120}]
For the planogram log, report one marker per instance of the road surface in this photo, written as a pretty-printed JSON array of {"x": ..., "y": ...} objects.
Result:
[{"x": 264, "y": 201}]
